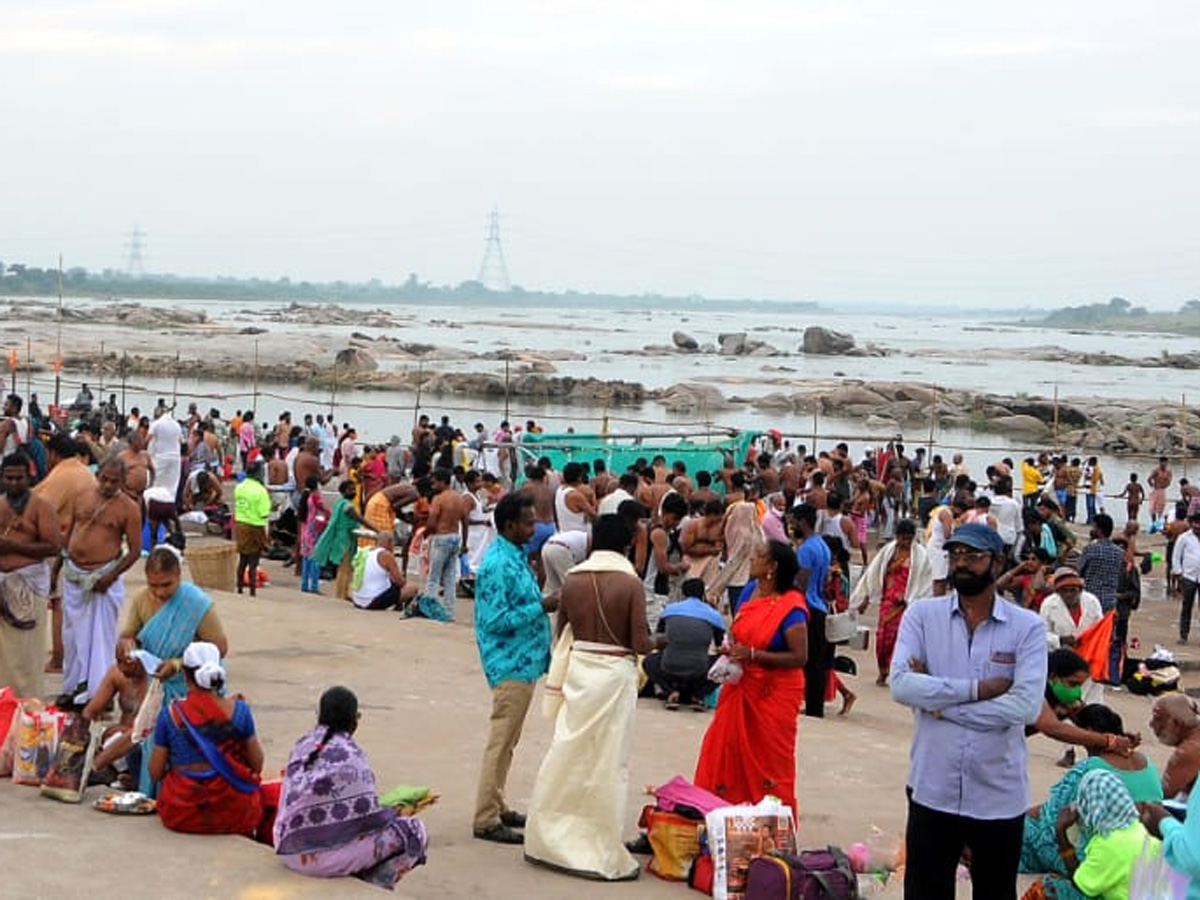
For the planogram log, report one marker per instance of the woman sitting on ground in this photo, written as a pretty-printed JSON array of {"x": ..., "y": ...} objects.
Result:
[
  {"x": 206, "y": 754},
  {"x": 1108, "y": 822},
  {"x": 1039, "y": 848},
  {"x": 330, "y": 822}
]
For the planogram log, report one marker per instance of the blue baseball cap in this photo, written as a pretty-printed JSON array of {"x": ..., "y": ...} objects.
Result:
[{"x": 976, "y": 536}]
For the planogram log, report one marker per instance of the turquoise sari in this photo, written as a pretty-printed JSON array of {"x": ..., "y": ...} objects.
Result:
[{"x": 167, "y": 635}]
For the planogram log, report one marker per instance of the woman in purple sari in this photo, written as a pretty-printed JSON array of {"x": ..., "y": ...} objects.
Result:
[{"x": 330, "y": 823}]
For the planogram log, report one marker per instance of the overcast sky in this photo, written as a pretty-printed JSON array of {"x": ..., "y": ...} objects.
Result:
[{"x": 938, "y": 152}]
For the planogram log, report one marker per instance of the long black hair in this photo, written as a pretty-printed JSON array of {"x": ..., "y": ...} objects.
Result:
[{"x": 338, "y": 712}]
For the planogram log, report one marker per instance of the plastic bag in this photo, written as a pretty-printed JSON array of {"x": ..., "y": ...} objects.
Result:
[
  {"x": 1152, "y": 878},
  {"x": 726, "y": 670},
  {"x": 738, "y": 833},
  {"x": 147, "y": 714},
  {"x": 67, "y": 778},
  {"x": 37, "y": 742}
]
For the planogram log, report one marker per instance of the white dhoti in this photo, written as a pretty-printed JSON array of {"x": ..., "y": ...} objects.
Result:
[
  {"x": 577, "y": 813},
  {"x": 167, "y": 467},
  {"x": 23, "y": 650},
  {"x": 89, "y": 627}
]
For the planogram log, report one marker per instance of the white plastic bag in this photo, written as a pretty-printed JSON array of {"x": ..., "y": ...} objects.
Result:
[
  {"x": 726, "y": 670},
  {"x": 1152, "y": 878},
  {"x": 736, "y": 834}
]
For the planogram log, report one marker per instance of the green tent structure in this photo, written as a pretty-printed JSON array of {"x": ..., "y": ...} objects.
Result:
[{"x": 619, "y": 452}]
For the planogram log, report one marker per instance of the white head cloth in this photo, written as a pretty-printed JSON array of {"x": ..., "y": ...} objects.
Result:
[{"x": 205, "y": 658}]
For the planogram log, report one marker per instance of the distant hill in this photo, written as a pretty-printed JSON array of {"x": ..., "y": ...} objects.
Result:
[
  {"x": 1118, "y": 314},
  {"x": 17, "y": 279}
]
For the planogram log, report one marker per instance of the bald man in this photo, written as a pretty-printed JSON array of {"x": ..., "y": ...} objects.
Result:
[{"x": 1176, "y": 723}]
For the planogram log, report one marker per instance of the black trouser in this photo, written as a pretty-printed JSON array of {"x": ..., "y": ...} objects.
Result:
[
  {"x": 387, "y": 600},
  {"x": 1185, "y": 612},
  {"x": 934, "y": 842},
  {"x": 816, "y": 669},
  {"x": 690, "y": 688}
]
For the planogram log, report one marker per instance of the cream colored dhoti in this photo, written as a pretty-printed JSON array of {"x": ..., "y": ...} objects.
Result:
[
  {"x": 577, "y": 813},
  {"x": 23, "y": 651}
]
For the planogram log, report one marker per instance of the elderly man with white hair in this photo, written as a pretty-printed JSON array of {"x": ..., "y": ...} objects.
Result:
[{"x": 1175, "y": 721}]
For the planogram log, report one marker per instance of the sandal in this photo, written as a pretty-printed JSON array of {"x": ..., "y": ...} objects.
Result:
[{"x": 672, "y": 701}]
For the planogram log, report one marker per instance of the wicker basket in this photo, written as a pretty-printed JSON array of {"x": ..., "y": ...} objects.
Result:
[{"x": 213, "y": 565}]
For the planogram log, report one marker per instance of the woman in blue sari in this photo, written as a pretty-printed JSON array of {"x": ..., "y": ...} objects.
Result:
[{"x": 163, "y": 619}]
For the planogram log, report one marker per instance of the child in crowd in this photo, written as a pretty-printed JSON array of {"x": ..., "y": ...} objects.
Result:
[{"x": 312, "y": 514}]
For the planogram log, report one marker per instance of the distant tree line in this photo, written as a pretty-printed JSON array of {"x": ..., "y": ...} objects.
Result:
[{"x": 18, "y": 279}]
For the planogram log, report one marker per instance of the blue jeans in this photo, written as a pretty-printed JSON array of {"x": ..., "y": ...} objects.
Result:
[
  {"x": 443, "y": 567},
  {"x": 310, "y": 575},
  {"x": 1091, "y": 508}
]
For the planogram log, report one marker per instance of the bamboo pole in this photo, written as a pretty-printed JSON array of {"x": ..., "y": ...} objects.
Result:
[
  {"x": 28, "y": 367},
  {"x": 58, "y": 342},
  {"x": 1183, "y": 420},
  {"x": 333, "y": 388},
  {"x": 1056, "y": 418},
  {"x": 255, "y": 398},
  {"x": 420, "y": 381},
  {"x": 175, "y": 384}
]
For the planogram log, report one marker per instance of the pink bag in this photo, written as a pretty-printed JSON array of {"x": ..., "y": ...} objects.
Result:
[{"x": 679, "y": 792}]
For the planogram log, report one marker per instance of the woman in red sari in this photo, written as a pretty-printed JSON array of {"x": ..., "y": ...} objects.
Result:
[
  {"x": 206, "y": 754},
  {"x": 749, "y": 750}
]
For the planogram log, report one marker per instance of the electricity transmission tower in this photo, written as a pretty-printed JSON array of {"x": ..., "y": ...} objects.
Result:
[
  {"x": 136, "y": 267},
  {"x": 493, "y": 271}
]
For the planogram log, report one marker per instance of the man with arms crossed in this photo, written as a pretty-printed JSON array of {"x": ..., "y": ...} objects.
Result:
[
  {"x": 92, "y": 585},
  {"x": 972, "y": 667}
]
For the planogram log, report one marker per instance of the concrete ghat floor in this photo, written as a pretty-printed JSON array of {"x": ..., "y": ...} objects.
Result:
[{"x": 425, "y": 711}]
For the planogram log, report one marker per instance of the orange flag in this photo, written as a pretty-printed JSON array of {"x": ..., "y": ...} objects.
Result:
[{"x": 1095, "y": 645}]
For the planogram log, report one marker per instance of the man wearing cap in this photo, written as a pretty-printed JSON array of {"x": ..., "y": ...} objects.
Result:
[
  {"x": 1070, "y": 610},
  {"x": 972, "y": 667},
  {"x": 1185, "y": 563}
]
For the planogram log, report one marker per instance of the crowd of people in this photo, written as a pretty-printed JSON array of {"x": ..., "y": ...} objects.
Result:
[{"x": 994, "y": 620}]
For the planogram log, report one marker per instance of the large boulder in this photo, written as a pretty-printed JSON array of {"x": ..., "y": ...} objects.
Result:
[
  {"x": 691, "y": 397},
  {"x": 685, "y": 342},
  {"x": 354, "y": 360},
  {"x": 1023, "y": 426},
  {"x": 820, "y": 341},
  {"x": 732, "y": 344},
  {"x": 852, "y": 395}
]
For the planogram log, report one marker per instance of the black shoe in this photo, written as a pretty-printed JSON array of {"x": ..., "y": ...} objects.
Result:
[
  {"x": 512, "y": 819},
  {"x": 640, "y": 846},
  {"x": 500, "y": 834}
]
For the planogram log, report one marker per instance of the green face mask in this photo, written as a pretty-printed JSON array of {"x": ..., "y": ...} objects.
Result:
[{"x": 1065, "y": 694}]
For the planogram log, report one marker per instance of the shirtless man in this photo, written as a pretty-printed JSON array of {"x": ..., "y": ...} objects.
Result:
[
  {"x": 1159, "y": 480},
  {"x": 29, "y": 536},
  {"x": 1134, "y": 493},
  {"x": 127, "y": 682},
  {"x": 768, "y": 478},
  {"x": 603, "y": 481},
  {"x": 139, "y": 467},
  {"x": 815, "y": 495},
  {"x": 703, "y": 541},
  {"x": 447, "y": 530},
  {"x": 308, "y": 462},
  {"x": 67, "y": 481},
  {"x": 92, "y": 585},
  {"x": 535, "y": 486},
  {"x": 789, "y": 482},
  {"x": 679, "y": 479},
  {"x": 704, "y": 492}
]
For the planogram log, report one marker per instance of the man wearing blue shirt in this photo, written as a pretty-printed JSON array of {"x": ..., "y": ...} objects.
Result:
[
  {"x": 513, "y": 634},
  {"x": 814, "y": 558},
  {"x": 972, "y": 667}
]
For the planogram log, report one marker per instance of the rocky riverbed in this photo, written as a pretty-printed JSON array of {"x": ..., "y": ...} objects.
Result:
[{"x": 320, "y": 345}]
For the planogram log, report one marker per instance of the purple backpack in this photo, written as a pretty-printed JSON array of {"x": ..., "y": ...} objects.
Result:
[{"x": 810, "y": 875}]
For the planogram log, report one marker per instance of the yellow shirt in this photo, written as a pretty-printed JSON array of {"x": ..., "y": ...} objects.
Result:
[{"x": 251, "y": 503}]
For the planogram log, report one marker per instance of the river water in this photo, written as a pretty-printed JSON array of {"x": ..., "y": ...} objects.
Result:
[{"x": 609, "y": 344}]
